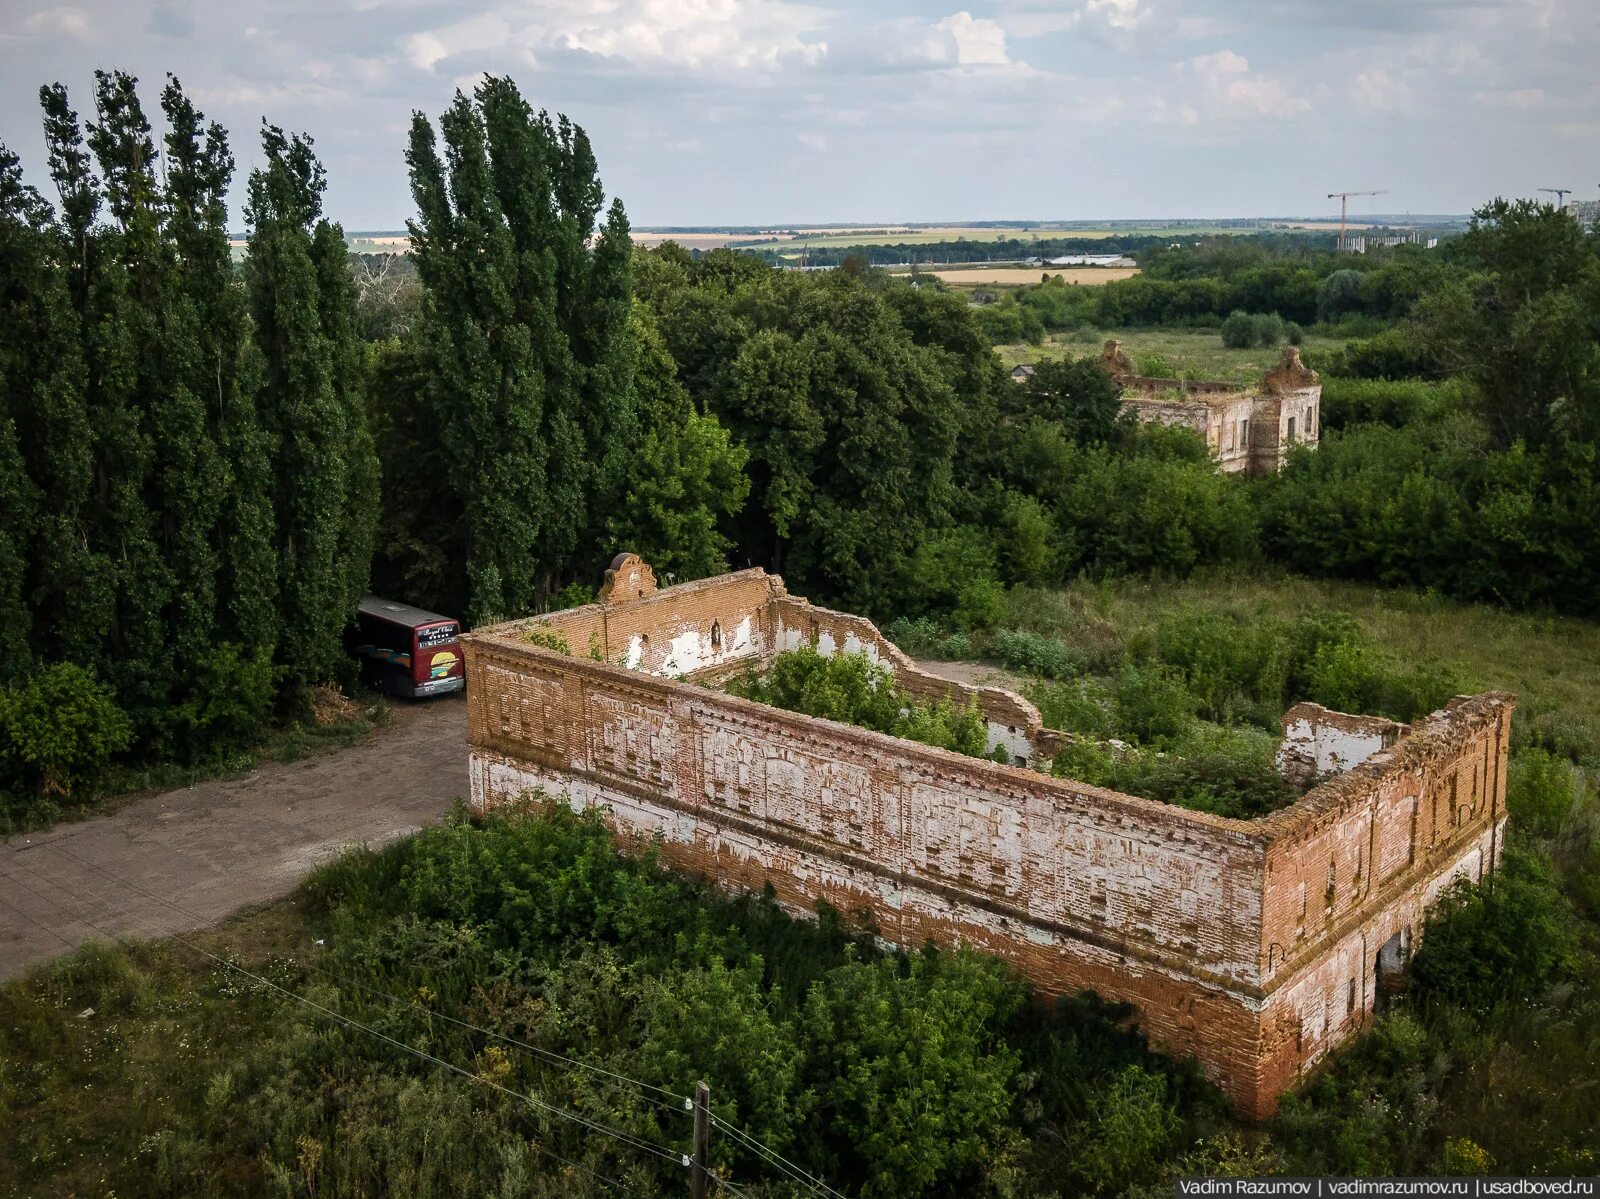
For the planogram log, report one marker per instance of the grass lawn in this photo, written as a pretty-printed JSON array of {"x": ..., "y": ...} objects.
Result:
[
  {"x": 1549, "y": 661},
  {"x": 1191, "y": 352}
]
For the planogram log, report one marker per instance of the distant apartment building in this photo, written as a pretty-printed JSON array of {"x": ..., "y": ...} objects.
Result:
[{"x": 1585, "y": 212}]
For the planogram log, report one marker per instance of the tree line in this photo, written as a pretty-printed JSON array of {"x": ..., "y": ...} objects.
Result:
[
  {"x": 189, "y": 477},
  {"x": 209, "y": 462}
]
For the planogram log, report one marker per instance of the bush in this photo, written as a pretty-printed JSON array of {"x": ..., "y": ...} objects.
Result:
[
  {"x": 229, "y": 705},
  {"x": 1507, "y": 938},
  {"x": 58, "y": 730},
  {"x": 1030, "y": 653},
  {"x": 1153, "y": 706},
  {"x": 1246, "y": 330},
  {"x": 1239, "y": 331},
  {"x": 853, "y": 690},
  {"x": 1395, "y": 402},
  {"x": 1540, "y": 790},
  {"x": 911, "y": 1067}
]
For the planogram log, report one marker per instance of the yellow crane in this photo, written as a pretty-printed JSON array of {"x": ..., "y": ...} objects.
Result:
[{"x": 1344, "y": 200}]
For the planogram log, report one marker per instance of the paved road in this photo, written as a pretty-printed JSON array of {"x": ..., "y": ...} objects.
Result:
[{"x": 220, "y": 846}]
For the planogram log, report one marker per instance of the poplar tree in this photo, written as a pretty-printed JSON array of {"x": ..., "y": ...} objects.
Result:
[
  {"x": 310, "y": 406},
  {"x": 226, "y": 371},
  {"x": 485, "y": 390},
  {"x": 111, "y": 269},
  {"x": 47, "y": 453},
  {"x": 186, "y": 479},
  {"x": 527, "y": 324}
]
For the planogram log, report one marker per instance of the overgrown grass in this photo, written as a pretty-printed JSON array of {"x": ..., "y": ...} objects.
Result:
[
  {"x": 1190, "y": 353},
  {"x": 893, "y": 1075},
  {"x": 154, "y": 1070}
]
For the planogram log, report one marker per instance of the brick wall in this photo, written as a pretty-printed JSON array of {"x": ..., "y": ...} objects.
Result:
[{"x": 1193, "y": 918}]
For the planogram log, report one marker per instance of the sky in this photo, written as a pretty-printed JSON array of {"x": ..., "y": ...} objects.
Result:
[{"x": 775, "y": 112}]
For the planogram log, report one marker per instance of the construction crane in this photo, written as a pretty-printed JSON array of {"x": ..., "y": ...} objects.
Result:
[
  {"x": 1344, "y": 200},
  {"x": 1560, "y": 193}
]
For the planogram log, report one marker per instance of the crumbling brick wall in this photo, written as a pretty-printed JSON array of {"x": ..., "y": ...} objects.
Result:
[
  {"x": 1247, "y": 429},
  {"x": 1215, "y": 929}
]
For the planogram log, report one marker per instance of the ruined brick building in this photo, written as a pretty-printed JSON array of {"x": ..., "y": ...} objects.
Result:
[
  {"x": 1247, "y": 429},
  {"x": 1255, "y": 945}
]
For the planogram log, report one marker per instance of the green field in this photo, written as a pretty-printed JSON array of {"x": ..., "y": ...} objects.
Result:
[
  {"x": 1192, "y": 353},
  {"x": 1547, "y": 660}
]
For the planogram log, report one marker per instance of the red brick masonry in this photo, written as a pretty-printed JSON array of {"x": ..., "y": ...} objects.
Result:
[{"x": 1252, "y": 944}]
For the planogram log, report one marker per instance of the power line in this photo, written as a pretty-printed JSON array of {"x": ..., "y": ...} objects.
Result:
[
  {"x": 763, "y": 1151},
  {"x": 773, "y": 1157},
  {"x": 548, "y": 1054},
  {"x": 351, "y": 1022}
]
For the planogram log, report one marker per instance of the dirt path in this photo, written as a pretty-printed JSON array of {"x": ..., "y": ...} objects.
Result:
[
  {"x": 977, "y": 674},
  {"x": 219, "y": 846}
]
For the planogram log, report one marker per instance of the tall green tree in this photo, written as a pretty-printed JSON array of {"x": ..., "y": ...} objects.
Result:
[
  {"x": 185, "y": 483},
  {"x": 485, "y": 387},
  {"x": 1522, "y": 321},
  {"x": 531, "y": 346},
  {"x": 225, "y": 371},
  {"x": 312, "y": 410},
  {"x": 51, "y": 583},
  {"x": 114, "y": 271}
]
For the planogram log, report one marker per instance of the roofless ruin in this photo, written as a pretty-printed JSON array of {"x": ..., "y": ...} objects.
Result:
[{"x": 1255, "y": 945}]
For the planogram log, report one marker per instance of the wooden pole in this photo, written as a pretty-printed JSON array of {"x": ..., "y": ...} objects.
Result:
[{"x": 702, "y": 1141}]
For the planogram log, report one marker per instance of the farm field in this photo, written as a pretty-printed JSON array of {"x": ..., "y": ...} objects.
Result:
[
  {"x": 1014, "y": 276},
  {"x": 1198, "y": 353}
]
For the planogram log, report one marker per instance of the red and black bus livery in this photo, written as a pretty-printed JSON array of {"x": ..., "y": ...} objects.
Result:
[{"x": 405, "y": 650}]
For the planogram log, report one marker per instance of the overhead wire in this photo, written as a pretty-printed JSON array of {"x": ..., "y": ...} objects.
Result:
[
  {"x": 682, "y": 1101},
  {"x": 751, "y": 1143},
  {"x": 351, "y": 1022},
  {"x": 776, "y": 1159}
]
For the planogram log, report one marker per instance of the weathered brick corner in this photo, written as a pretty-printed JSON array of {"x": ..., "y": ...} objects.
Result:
[{"x": 1254, "y": 945}]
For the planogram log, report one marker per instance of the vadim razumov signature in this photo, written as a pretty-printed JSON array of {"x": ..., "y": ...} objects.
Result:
[{"x": 1329, "y": 1188}]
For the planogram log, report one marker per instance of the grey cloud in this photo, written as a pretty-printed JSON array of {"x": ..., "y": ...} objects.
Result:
[{"x": 171, "y": 20}]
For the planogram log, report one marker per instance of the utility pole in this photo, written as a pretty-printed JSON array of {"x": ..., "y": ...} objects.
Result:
[
  {"x": 1560, "y": 193},
  {"x": 1344, "y": 200},
  {"x": 702, "y": 1141}
]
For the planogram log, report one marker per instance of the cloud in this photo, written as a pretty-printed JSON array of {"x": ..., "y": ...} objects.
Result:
[
  {"x": 171, "y": 20},
  {"x": 1379, "y": 91},
  {"x": 59, "y": 22},
  {"x": 978, "y": 41},
  {"x": 687, "y": 35},
  {"x": 1100, "y": 20},
  {"x": 1226, "y": 82}
]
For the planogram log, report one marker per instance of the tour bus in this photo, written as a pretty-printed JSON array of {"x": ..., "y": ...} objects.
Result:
[{"x": 406, "y": 651}]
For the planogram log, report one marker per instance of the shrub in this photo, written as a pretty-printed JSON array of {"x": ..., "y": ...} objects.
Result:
[
  {"x": 1032, "y": 654},
  {"x": 1540, "y": 790},
  {"x": 912, "y": 1068},
  {"x": 1352, "y": 676},
  {"x": 1506, "y": 938},
  {"x": 229, "y": 703},
  {"x": 853, "y": 690},
  {"x": 1153, "y": 706},
  {"x": 1394, "y": 402},
  {"x": 1246, "y": 330},
  {"x": 59, "y": 729},
  {"x": 1239, "y": 331},
  {"x": 1076, "y": 706}
]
